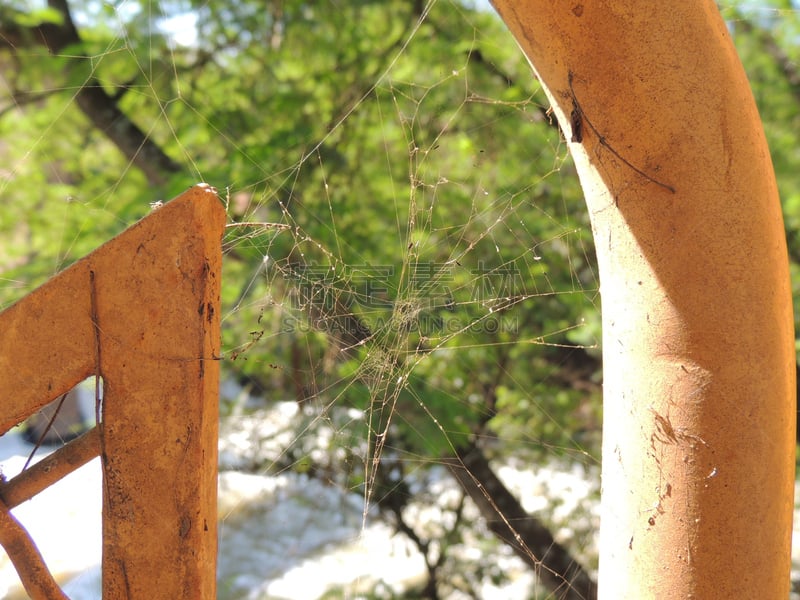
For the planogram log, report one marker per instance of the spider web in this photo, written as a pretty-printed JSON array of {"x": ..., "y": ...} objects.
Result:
[
  {"x": 448, "y": 287},
  {"x": 409, "y": 271}
]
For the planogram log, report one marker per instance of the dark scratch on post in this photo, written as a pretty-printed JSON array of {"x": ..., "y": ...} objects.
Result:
[
  {"x": 124, "y": 571},
  {"x": 185, "y": 526},
  {"x": 578, "y": 117},
  {"x": 98, "y": 401},
  {"x": 96, "y": 326},
  {"x": 576, "y": 122}
]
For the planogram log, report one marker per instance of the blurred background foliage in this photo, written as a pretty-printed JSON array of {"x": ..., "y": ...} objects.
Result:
[{"x": 407, "y": 237}]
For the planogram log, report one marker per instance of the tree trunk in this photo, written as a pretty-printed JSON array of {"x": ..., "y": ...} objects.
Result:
[
  {"x": 698, "y": 343},
  {"x": 101, "y": 108},
  {"x": 527, "y": 536}
]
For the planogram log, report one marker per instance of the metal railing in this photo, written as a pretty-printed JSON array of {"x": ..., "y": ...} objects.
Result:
[{"x": 141, "y": 314}]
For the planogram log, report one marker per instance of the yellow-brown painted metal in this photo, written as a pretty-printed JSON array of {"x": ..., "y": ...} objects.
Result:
[
  {"x": 142, "y": 311},
  {"x": 698, "y": 340}
]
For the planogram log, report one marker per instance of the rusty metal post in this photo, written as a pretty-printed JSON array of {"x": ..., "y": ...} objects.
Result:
[
  {"x": 142, "y": 312},
  {"x": 698, "y": 332}
]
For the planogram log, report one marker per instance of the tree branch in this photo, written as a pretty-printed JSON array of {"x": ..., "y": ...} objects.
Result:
[
  {"x": 100, "y": 107},
  {"x": 21, "y": 98},
  {"x": 105, "y": 114},
  {"x": 528, "y": 537}
]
